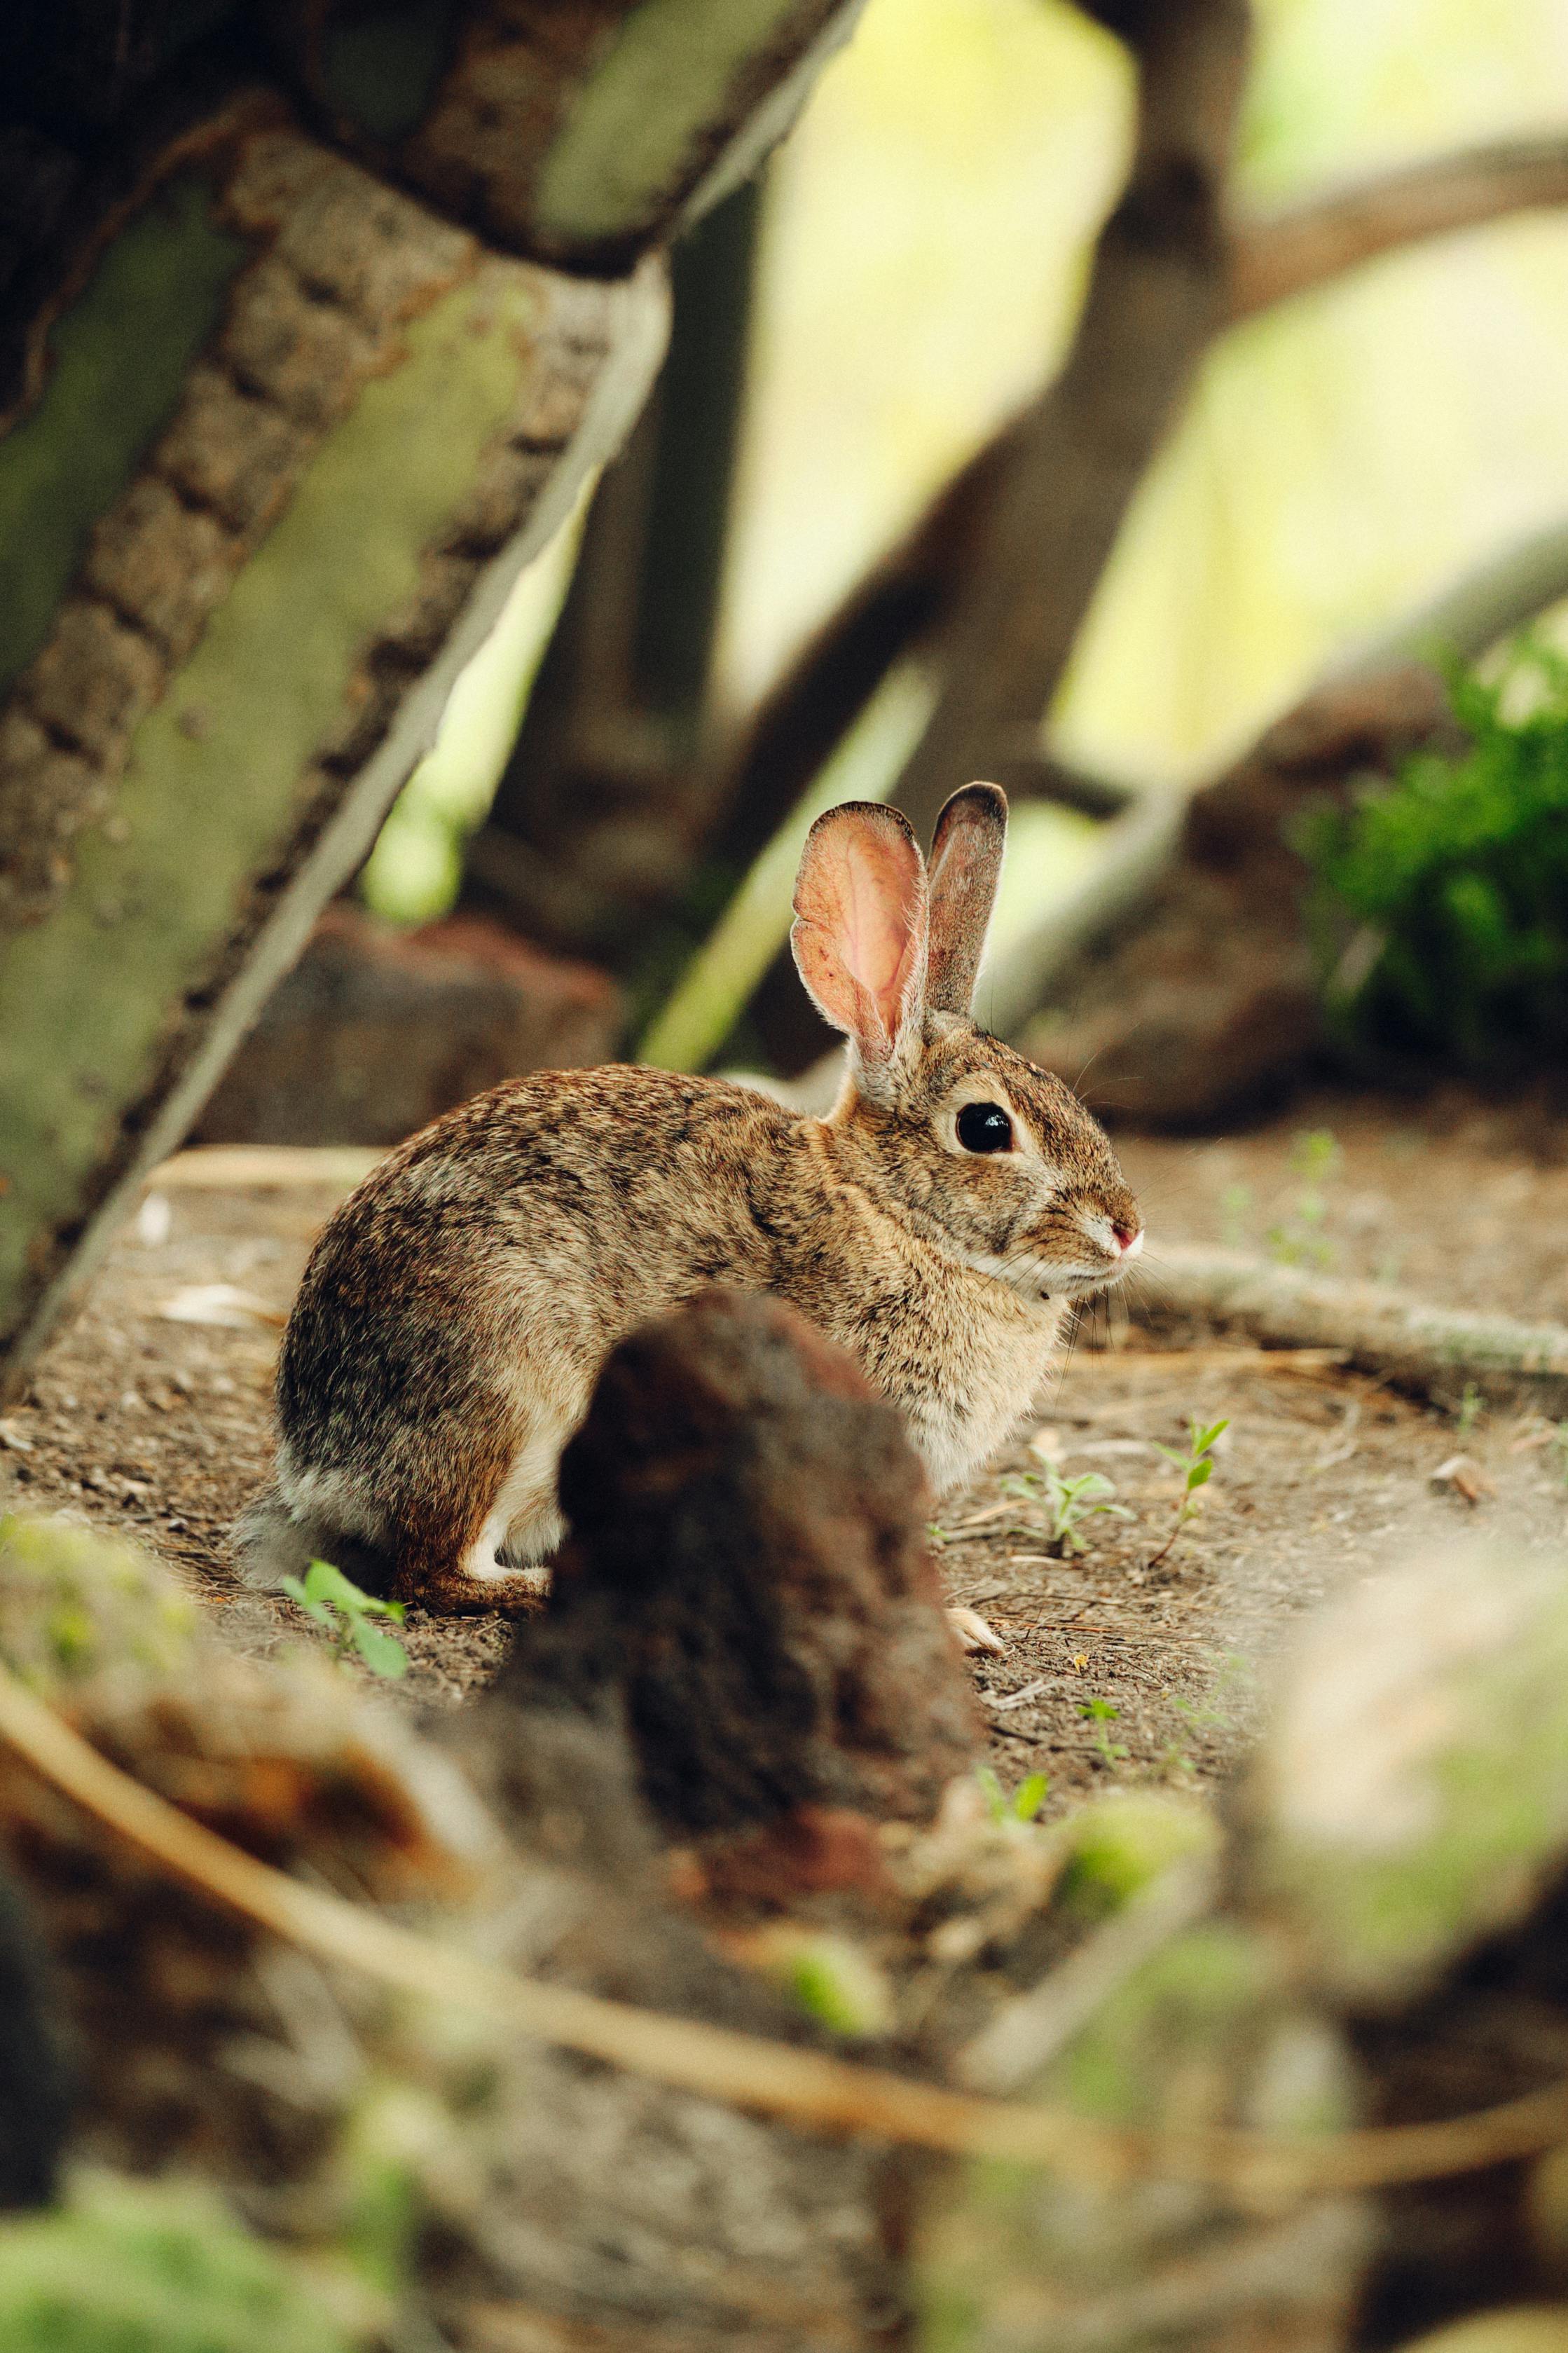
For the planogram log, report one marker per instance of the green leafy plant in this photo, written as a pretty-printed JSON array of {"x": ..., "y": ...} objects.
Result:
[
  {"x": 1101, "y": 1713},
  {"x": 1024, "y": 1802},
  {"x": 1471, "y": 1406},
  {"x": 1441, "y": 899},
  {"x": 1069, "y": 1504},
  {"x": 337, "y": 1605},
  {"x": 1196, "y": 1467}
]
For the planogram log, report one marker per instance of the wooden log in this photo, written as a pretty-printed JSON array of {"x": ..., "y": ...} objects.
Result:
[
  {"x": 577, "y": 131},
  {"x": 263, "y": 532},
  {"x": 1433, "y": 1351}
]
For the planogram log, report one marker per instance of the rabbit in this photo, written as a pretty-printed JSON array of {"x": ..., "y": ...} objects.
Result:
[{"x": 939, "y": 1223}]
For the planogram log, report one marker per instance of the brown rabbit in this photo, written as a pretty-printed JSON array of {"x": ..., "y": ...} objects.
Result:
[{"x": 937, "y": 1222}]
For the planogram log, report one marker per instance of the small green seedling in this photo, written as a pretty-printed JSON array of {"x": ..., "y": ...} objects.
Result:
[
  {"x": 1315, "y": 1155},
  {"x": 1024, "y": 1802},
  {"x": 1070, "y": 1502},
  {"x": 337, "y": 1604},
  {"x": 839, "y": 1984},
  {"x": 1471, "y": 1406},
  {"x": 1101, "y": 1712},
  {"x": 1196, "y": 1466}
]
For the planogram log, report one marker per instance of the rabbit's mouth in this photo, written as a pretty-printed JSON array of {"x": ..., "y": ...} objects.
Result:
[{"x": 1037, "y": 1277}]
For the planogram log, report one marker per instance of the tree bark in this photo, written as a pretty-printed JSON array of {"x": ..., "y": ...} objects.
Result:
[
  {"x": 275, "y": 440},
  {"x": 590, "y": 837},
  {"x": 1156, "y": 298}
]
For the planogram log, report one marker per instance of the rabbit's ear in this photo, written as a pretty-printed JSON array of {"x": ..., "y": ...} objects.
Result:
[
  {"x": 966, "y": 868},
  {"x": 859, "y": 935}
]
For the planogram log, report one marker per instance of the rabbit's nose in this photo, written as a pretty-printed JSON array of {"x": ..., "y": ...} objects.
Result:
[{"x": 1129, "y": 1240}]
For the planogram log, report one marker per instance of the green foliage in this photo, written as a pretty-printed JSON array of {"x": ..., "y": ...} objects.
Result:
[
  {"x": 1196, "y": 1466},
  {"x": 1101, "y": 1712},
  {"x": 336, "y": 1603},
  {"x": 1298, "y": 1239},
  {"x": 1446, "y": 893},
  {"x": 831, "y": 1977},
  {"x": 151, "y": 2267},
  {"x": 1124, "y": 1841},
  {"x": 1068, "y": 1502},
  {"x": 73, "y": 1601},
  {"x": 1024, "y": 1802}
]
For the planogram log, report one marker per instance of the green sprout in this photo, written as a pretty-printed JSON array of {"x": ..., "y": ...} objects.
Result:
[
  {"x": 1024, "y": 1802},
  {"x": 338, "y": 1605},
  {"x": 1070, "y": 1502},
  {"x": 1101, "y": 1712},
  {"x": 1315, "y": 1155},
  {"x": 1196, "y": 1466}
]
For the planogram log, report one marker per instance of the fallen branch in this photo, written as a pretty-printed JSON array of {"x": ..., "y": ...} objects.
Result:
[
  {"x": 1430, "y": 1350},
  {"x": 805, "y": 2088},
  {"x": 1320, "y": 240}
]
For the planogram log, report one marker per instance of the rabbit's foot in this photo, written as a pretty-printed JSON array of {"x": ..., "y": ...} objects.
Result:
[
  {"x": 457, "y": 1592},
  {"x": 972, "y": 1632}
]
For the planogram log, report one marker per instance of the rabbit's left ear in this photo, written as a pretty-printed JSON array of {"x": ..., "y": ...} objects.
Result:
[{"x": 966, "y": 869}]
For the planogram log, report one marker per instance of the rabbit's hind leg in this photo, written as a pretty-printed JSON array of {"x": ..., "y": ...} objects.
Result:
[{"x": 459, "y": 1553}]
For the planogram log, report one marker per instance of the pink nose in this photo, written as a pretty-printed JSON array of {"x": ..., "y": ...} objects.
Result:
[{"x": 1126, "y": 1236}]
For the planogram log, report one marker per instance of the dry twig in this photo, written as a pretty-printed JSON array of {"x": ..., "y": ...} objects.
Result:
[{"x": 805, "y": 2088}]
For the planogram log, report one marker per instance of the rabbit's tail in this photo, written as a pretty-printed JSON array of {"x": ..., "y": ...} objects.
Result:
[{"x": 272, "y": 1539}]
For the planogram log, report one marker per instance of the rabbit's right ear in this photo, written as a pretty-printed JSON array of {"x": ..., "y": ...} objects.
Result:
[{"x": 859, "y": 935}]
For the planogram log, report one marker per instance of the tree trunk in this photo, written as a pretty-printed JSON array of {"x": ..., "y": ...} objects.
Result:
[
  {"x": 604, "y": 797},
  {"x": 1156, "y": 297},
  {"x": 275, "y": 441}
]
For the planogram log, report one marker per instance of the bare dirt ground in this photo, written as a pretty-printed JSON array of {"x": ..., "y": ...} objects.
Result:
[{"x": 1118, "y": 1665}]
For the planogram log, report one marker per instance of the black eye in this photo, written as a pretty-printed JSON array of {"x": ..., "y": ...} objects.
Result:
[{"x": 985, "y": 1127}]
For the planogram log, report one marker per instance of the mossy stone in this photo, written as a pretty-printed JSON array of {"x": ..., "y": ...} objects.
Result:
[{"x": 1411, "y": 1796}]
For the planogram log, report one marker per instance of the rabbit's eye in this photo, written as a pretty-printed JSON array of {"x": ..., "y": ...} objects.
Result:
[{"x": 985, "y": 1127}]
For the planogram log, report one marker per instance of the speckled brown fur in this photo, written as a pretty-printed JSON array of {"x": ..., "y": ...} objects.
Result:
[{"x": 456, "y": 1312}]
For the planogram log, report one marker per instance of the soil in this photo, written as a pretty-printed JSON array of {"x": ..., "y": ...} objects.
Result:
[{"x": 1137, "y": 1659}]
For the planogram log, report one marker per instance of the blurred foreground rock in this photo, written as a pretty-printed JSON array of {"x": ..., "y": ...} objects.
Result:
[
  {"x": 749, "y": 1586},
  {"x": 1392, "y": 1949},
  {"x": 443, "y": 2168},
  {"x": 376, "y": 1032}
]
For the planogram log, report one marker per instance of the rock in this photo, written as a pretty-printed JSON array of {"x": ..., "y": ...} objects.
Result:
[
  {"x": 749, "y": 1581},
  {"x": 376, "y": 1032},
  {"x": 1096, "y": 2257},
  {"x": 291, "y": 1759},
  {"x": 1411, "y": 1798}
]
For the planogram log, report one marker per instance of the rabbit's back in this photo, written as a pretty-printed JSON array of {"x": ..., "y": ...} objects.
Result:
[{"x": 456, "y": 1309}]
